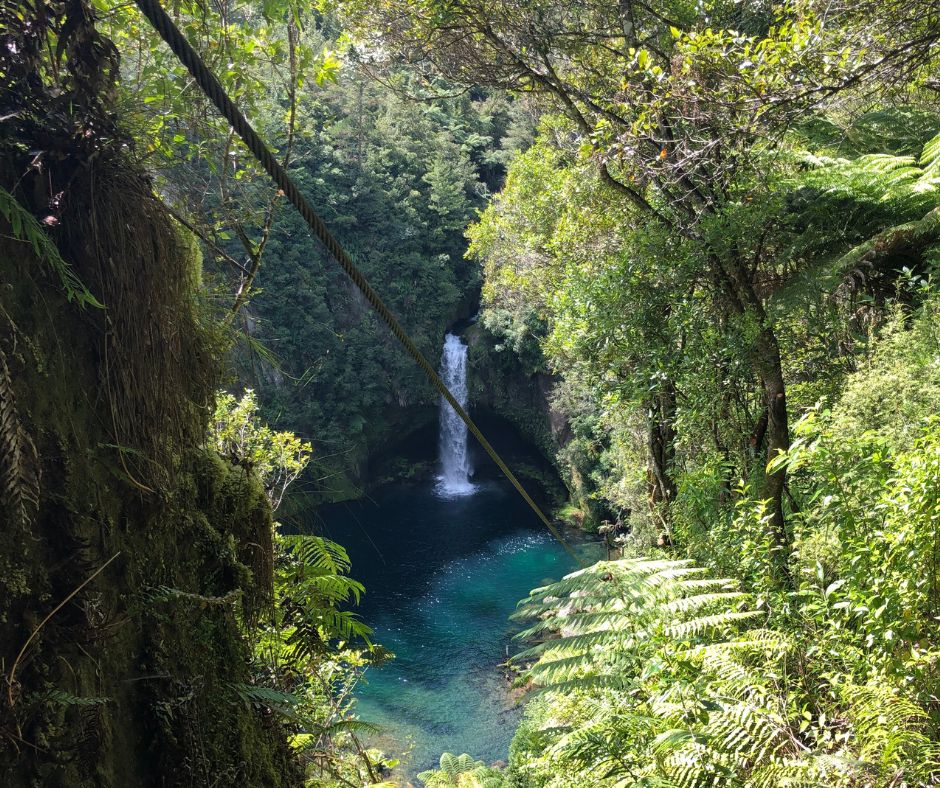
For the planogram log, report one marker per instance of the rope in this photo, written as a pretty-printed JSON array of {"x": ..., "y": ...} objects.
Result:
[{"x": 211, "y": 86}]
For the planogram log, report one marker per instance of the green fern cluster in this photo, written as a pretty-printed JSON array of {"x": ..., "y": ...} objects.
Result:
[
  {"x": 315, "y": 587},
  {"x": 888, "y": 205},
  {"x": 614, "y": 612},
  {"x": 462, "y": 771},
  {"x": 884, "y": 177},
  {"x": 651, "y": 672},
  {"x": 311, "y": 655}
]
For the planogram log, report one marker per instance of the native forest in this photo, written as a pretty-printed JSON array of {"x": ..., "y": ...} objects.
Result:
[{"x": 469, "y": 393}]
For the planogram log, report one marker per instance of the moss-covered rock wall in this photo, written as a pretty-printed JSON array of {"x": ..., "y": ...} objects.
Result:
[{"x": 134, "y": 677}]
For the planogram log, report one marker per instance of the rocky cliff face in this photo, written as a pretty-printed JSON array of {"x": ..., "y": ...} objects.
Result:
[
  {"x": 512, "y": 407},
  {"x": 501, "y": 384}
]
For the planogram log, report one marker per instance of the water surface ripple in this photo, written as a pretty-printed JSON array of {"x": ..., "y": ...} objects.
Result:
[{"x": 442, "y": 576}]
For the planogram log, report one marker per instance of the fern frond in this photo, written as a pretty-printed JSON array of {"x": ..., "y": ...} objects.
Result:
[
  {"x": 284, "y": 703},
  {"x": 892, "y": 729},
  {"x": 63, "y": 698},
  {"x": 350, "y": 726},
  {"x": 756, "y": 641},
  {"x": 697, "y": 627},
  {"x": 19, "y": 463},
  {"x": 576, "y": 645},
  {"x": 26, "y": 228},
  {"x": 929, "y": 160},
  {"x": 461, "y": 771},
  {"x": 318, "y": 553},
  {"x": 691, "y": 604}
]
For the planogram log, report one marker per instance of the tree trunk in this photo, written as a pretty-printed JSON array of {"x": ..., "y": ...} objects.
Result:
[
  {"x": 764, "y": 353},
  {"x": 662, "y": 452},
  {"x": 756, "y": 442},
  {"x": 767, "y": 359}
]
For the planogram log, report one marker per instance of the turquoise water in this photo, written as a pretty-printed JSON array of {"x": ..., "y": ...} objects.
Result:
[{"x": 442, "y": 577}]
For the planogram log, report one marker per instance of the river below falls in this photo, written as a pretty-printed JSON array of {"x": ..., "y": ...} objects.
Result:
[{"x": 442, "y": 576}]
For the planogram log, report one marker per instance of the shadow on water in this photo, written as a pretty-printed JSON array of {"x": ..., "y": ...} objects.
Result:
[{"x": 442, "y": 576}]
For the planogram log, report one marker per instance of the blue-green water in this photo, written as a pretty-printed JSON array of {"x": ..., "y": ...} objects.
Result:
[{"x": 442, "y": 577}]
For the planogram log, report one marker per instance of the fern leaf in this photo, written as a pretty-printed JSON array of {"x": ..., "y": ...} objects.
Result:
[
  {"x": 26, "y": 228},
  {"x": 930, "y": 158},
  {"x": 19, "y": 463},
  {"x": 284, "y": 703},
  {"x": 63, "y": 698}
]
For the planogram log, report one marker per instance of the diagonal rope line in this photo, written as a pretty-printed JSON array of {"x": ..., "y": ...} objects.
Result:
[{"x": 211, "y": 86}]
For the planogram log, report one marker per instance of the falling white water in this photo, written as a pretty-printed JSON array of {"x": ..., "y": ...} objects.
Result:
[{"x": 455, "y": 459}]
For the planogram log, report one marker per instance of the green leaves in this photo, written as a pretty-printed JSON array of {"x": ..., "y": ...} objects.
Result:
[
  {"x": 315, "y": 650},
  {"x": 622, "y": 610},
  {"x": 671, "y": 692},
  {"x": 461, "y": 771},
  {"x": 638, "y": 686},
  {"x": 312, "y": 588},
  {"x": 239, "y": 435},
  {"x": 326, "y": 68},
  {"x": 284, "y": 703}
]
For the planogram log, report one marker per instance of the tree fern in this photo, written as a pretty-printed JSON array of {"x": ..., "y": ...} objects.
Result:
[
  {"x": 618, "y": 607},
  {"x": 314, "y": 587},
  {"x": 461, "y": 771},
  {"x": 892, "y": 731},
  {"x": 888, "y": 205},
  {"x": 677, "y": 686}
]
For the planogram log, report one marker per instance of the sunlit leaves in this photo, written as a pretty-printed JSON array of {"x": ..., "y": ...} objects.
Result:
[{"x": 238, "y": 434}]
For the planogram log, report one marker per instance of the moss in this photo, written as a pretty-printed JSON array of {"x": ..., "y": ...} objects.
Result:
[{"x": 116, "y": 404}]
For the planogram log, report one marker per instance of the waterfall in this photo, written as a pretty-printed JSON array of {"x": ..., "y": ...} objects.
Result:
[{"x": 455, "y": 458}]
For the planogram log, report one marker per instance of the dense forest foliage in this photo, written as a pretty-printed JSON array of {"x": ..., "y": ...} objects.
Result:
[
  {"x": 395, "y": 167},
  {"x": 398, "y": 181},
  {"x": 708, "y": 232},
  {"x": 724, "y": 242}
]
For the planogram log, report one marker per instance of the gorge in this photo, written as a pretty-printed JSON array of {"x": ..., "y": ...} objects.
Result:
[
  {"x": 444, "y": 561},
  {"x": 700, "y": 245}
]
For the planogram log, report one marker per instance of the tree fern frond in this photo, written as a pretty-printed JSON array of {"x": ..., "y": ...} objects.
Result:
[
  {"x": 892, "y": 728},
  {"x": 284, "y": 703},
  {"x": 757, "y": 641},
  {"x": 63, "y": 698},
  {"x": 19, "y": 462},
  {"x": 748, "y": 732},
  {"x": 350, "y": 726},
  {"x": 317, "y": 552},
  {"x": 696, "y": 627},
  {"x": 689, "y": 604},
  {"x": 929, "y": 160},
  {"x": 26, "y": 228},
  {"x": 575, "y": 645},
  {"x": 461, "y": 771}
]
